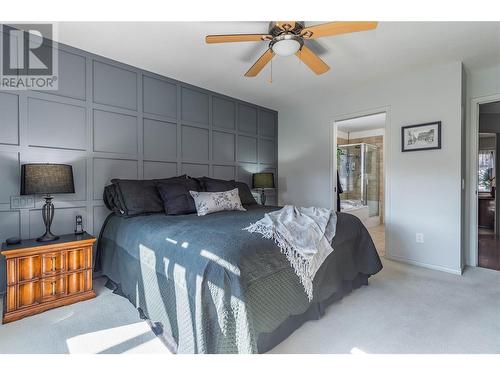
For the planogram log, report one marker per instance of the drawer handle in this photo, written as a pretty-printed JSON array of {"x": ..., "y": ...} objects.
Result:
[
  {"x": 53, "y": 283},
  {"x": 53, "y": 264}
]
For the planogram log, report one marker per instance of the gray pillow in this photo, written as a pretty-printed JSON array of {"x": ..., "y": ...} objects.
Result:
[
  {"x": 138, "y": 197},
  {"x": 112, "y": 199},
  {"x": 175, "y": 196},
  {"x": 215, "y": 185}
]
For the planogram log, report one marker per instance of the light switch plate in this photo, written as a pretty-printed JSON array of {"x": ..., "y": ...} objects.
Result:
[{"x": 22, "y": 202}]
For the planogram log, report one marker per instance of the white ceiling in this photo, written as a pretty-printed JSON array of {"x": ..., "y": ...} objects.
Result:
[
  {"x": 178, "y": 50},
  {"x": 357, "y": 124}
]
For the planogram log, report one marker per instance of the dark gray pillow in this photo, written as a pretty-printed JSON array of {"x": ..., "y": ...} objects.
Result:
[
  {"x": 112, "y": 201},
  {"x": 138, "y": 197},
  {"x": 215, "y": 185},
  {"x": 176, "y": 197},
  {"x": 246, "y": 195}
]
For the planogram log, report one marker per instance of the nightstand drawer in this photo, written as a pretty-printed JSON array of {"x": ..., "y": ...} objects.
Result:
[
  {"x": 52, "y": 288},
  {"x": 28, "y": 268},
  {"x": 28, "y": 294},
  {"x": 79, "y": 259},
  {"x": 53, "y": 263},
  {"x": 79, "y": 282}
]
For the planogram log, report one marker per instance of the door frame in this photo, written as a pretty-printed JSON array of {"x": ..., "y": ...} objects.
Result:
[
  {"x": 473, "y": 178},
  {"x": 387, "y": 159}
]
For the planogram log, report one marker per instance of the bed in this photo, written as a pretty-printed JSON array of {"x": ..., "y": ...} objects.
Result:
[{"x": 207, "y": 286}]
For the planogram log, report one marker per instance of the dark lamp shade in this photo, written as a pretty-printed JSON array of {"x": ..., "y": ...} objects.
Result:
[
  {"x": 263, "y": 181},
  {"x": 47, "y": 179}
]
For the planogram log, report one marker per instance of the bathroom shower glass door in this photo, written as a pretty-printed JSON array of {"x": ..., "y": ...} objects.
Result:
[
  {"x": 349, "y": 167},
  {"x": 371, "y": 179}
]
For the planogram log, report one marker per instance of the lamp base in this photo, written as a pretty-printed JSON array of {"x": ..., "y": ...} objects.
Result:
[
  {"x": 47, "y": 215},
  {"x": 263, "y": 197},
  {"x": 47, "y": 237}
]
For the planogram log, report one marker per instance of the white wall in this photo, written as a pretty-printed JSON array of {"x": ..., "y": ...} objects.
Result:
[{"x": 424, "y": 187}]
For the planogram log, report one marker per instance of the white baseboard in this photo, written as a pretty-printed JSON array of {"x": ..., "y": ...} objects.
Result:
[{"x": 455, "y": 271}]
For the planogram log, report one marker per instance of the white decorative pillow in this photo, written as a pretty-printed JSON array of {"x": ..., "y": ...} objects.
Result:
[{"x": 207, "y": 203}]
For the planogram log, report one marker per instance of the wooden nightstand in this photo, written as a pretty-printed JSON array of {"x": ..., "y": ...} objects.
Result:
[{"x": 45, "y": 275}]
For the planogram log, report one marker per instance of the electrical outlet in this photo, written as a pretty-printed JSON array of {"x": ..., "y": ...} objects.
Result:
[
  {"x": 22, "y": 202},
  {"x": 419, "y": 238}
]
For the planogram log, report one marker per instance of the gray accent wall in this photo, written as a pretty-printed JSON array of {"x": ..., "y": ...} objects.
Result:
[{"x": 111, "y": 120}]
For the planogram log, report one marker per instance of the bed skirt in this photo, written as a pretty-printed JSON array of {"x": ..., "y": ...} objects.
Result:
[{"x": 265, "y": 341}]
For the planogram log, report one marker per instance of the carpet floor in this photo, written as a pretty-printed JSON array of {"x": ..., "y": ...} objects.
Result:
[{"x": 405, "y": 309}]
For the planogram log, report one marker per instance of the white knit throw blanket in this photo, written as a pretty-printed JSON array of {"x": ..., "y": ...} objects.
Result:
[{"x": 303, "y": 234}]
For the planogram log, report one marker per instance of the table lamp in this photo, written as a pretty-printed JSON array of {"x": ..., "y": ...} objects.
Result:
[
  {"x": 47, "y": 179},
  {"x": 263, "y": 181}
]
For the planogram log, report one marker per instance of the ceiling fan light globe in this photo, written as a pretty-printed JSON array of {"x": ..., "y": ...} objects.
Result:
[{"x": 286, "y": 47}]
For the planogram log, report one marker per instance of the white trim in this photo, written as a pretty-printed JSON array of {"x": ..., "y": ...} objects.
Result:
[
  {"x": 333, "y": 166},
  {"x": 387, "y": 162},
  {"x": 474, "y": 154},
  {"x": 455, "y": 271}
]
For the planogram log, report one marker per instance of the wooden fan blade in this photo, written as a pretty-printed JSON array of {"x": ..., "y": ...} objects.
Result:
[
  {"x": 230, "y": 38},
  {"x": 336, "y": 28},
  {"x": 312, "y": 60},
  {"x": 260, "y": 63}
]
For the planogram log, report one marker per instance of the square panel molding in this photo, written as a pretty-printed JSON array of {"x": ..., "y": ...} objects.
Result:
[
  {"x": 247, "y": 119},
  {"x": 114, "y": 86},
  {"x": 159, "y": 140},
  {"x": 56, "y": 125},
  {"x": 223, "y": 113},
  {"x": 223, "y": 147},
  {"x": 159, "y": 97},
  {"x": 9, "y": 118},
  {"x": 115, "y": 132},
  {"x": 194, "y": 105},
  {"x": 194, "y": 143}
]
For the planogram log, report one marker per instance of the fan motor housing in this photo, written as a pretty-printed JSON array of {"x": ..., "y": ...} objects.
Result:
[{"x": 275, "y": 30}]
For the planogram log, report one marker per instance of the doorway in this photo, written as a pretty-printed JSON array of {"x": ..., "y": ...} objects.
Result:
[
  {"x": 360, "y": 161},
  {"x": 487, "y": 200}
]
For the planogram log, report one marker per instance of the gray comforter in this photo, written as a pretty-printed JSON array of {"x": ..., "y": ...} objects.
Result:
[{"x": 214, "y": 288}]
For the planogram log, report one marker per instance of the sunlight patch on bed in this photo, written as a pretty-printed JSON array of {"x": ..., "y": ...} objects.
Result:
[
  {"x": 221, "y": 262},
  {"x": 171, "y": 241},
  {"x": 185, "y": 245}
]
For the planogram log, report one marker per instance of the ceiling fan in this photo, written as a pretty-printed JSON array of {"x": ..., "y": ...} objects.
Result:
[{"x": 287, "y": 38}]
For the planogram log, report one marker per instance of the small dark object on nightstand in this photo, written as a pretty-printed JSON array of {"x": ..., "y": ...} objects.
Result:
[
  {"x": 13, "y": 241},
  {"x": 79, "y": 225}
]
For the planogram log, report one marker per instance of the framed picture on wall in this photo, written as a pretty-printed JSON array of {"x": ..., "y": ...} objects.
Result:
[{"x": 421, "y": 137}]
